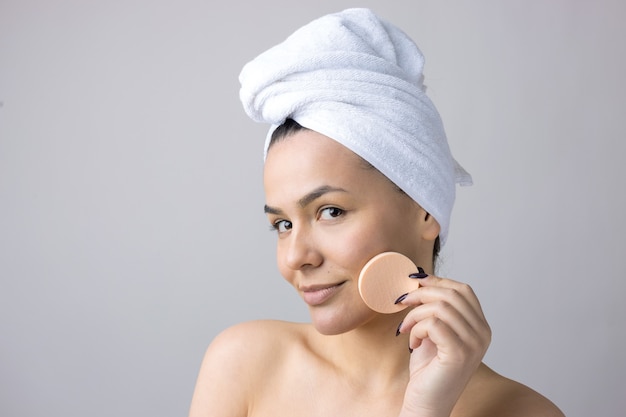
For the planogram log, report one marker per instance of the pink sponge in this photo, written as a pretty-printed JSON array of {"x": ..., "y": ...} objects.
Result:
[{"x": 384, "y": 278}]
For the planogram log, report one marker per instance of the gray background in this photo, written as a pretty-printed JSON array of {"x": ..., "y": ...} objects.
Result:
[{"x": 131, "y": 225}]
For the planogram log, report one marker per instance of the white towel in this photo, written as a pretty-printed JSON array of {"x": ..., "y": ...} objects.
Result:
[{"x": 358, "y": 80}]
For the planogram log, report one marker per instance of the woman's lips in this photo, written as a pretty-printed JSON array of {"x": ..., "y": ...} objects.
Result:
[{"x": 316, "y": 295}]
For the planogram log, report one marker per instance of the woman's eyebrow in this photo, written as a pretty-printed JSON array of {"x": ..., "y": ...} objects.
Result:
[
  {"x": 317, "y": 193},
  {"x": 308, "y": 198},
  {"x": 271, "y": 210}
]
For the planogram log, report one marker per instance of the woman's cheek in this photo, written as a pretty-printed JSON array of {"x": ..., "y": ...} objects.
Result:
[
  {"x": 284, "y": 271},
  {"x": 353, "y": 247}
]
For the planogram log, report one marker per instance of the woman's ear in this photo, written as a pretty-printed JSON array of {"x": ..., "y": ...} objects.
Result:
[{"x": 430, "y": 228}]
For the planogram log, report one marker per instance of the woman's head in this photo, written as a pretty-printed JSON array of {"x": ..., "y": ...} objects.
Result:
[
  {"x": 332, "y": 213},
  {"x": 358, "y": 80}
]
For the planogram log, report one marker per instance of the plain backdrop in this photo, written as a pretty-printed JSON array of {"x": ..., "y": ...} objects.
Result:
[{"x": 131, "y": 224}]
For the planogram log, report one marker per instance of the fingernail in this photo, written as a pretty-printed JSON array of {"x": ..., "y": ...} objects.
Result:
[
  {"x": 402, "y": 297},
  {"x": 398, "y": 329},
  {"x": 420, "y": 274},
  {"x": 410, "y": 350}
]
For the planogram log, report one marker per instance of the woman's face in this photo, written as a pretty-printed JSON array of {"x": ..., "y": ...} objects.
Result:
[{"x": 332, "y": 214}]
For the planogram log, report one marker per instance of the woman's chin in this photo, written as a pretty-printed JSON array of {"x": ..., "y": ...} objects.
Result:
[{"x": 329, "y": 322}]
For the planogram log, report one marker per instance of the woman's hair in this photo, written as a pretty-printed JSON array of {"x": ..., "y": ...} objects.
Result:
[
  {"x": 288, "y": 128},
  {"x": 291, "y": 127}
]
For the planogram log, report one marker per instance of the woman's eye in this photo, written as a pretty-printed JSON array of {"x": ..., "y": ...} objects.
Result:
[
  {"x": 282, "y": 226},
  {"x": 330, "y": 213}
]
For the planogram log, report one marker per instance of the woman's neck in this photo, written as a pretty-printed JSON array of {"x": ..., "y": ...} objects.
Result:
[{"x": 371, "y": 353}]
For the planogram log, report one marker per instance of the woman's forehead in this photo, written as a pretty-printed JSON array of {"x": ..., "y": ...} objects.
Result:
[
  {"x": 310, "y": 147},
  {"x": 308, "y": 161}
]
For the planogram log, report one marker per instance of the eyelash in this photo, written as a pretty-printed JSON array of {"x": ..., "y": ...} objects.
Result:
[
  {"x": 341, "y": 211},
  {"x": 275, "y": 227}
]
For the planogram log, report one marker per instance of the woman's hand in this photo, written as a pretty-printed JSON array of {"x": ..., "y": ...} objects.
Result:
[{"x": 449, "y": 336}]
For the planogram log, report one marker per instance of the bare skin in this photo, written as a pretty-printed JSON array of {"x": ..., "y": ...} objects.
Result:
[{"x": 332, "y": 215}]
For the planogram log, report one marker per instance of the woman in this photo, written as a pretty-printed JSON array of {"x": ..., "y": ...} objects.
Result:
[{"x": 357, "y": 163}]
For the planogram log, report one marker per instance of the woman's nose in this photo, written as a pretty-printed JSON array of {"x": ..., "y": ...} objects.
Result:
[{"x": 302, "y": 251}]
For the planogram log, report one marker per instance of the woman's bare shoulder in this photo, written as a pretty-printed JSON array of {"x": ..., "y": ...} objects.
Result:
[
  {"x": 267, "y": 330},
  {"x": 252, "y": 344},
  {"x": 236, "y": 362},
  {"x": 489, "y": 393}
]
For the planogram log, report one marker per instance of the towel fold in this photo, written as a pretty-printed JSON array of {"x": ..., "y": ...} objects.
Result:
[{"x": 359, "y": 80}]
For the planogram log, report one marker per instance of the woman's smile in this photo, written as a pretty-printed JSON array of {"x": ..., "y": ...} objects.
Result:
[{"x": 315, "y": 295}]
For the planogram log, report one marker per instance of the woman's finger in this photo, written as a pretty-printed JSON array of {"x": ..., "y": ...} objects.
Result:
[
  {"x": 444, "y": 299},
  {"x": 446, "y": 313}
]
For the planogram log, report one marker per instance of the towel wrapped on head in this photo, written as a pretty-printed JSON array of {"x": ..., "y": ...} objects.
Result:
[{"x": 357, "y": 79}]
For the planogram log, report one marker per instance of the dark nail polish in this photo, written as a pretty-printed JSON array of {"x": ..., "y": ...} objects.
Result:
[
  {"x": 402, "y": 297},
  {"x": 398, "y": 329},
  {"x": 410, "y": 350},
  {"x": 420, "y": 274},
  {"x": 420, "y": 269}
]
